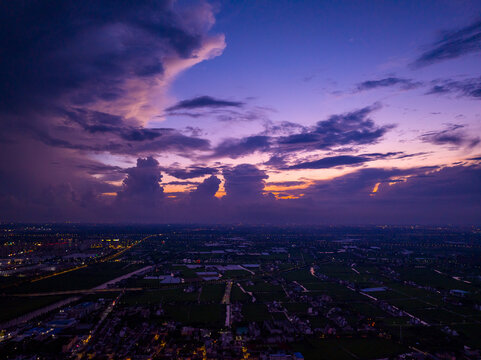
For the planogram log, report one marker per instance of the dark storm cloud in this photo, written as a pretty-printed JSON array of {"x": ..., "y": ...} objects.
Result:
[
  {"x": 455, "y": 135},
  {"x": 405, "y": 84},
  {"x": 98, "y": 168},
  {"x": 417, "y": 195},
  {"x": 104, "y": 123},
  {"x": 469, "y": 88},
  {"x": 126, "y": 140},
  {"x": 84, "y": 129},
  {"x": 452, "y": 44},
  {"x": 358, "y": 183},
  {"x": 425, "y": 195},
  {"x": 204, "y": 102},
  {"x": 190, "y": 172},
  {"x": 49, "y": 48},
  {"x": 80, "y": 75}
]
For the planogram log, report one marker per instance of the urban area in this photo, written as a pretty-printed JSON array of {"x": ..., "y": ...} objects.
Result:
[{"x": 237, "y": 292}]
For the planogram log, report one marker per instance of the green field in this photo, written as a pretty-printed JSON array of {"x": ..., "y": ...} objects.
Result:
[
  {"x": 212, "y": 315},
  {"x": 367, "y": 348},
  {"x": 85, "y": 278},
  {"x": 212, "y": 293},
  {"x": 255, "y": 312},
  {"x": 13, "y": 307},
  {"x": 146, "y": 297}
]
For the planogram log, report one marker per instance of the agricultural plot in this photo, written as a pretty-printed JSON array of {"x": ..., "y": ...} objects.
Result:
[
  {"x": 212, "y": 293},
  {"x": 18, "y": 306},
  {"x": 367, "y": 348},
  {"x": 197, "y": 314},
  {"x": 85, "y": 278},
  {"x": 177, "y": 295},
  {"x": 255, "y": 312}
]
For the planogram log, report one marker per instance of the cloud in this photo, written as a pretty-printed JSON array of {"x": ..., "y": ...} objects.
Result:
[
  {"x": 469, "y": 88},
  {"x": 285, "y": 183},
  {"x": 352, "y": 128},
  {"x": 224, "y": 113},
  {"x": 454, "y": 135},
  {"x": 277, "y": 161},
  {"x": 403, "y": 196},
  {"x": 405, "y": 84},
  {"x": 86, "y": 77},
  {"x": 282, "y": 128},
  {"x": 124, "y": 139},
  {"x": 206, "y": 190},
  {"x": 235, "y": 148},
  {"x": 244, "y": 182},
  {"x": 451, "y": 45},
  {"x": 347, "y": 160},
  {"x": 333, "y": 161},
  {"x": 190, "y": 172},
  {"x": 204, "y": 102},
  {"x": 111, "y": 53},
  {"x": 142, "y": 184},
  {"x": 182, "y": 183}
]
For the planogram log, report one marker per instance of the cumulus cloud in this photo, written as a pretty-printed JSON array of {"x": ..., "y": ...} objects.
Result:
[
  {"x": 142, "y": 183},
  {"x": 108, "y": 56},
  {"x": 86, "y": 77},
  {"x": 83, "y": 78},
  {"x": 244, "y": 182},
  {"x": 206, "y": 189},
  {"x": 452, "y": 44}
]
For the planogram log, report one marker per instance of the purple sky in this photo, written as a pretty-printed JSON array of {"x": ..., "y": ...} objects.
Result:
[{"x": 341, "y": 112}]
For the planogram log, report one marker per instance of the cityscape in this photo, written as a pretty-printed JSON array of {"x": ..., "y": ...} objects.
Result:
[
  {"x": 234, "y": 180},
  {"x": 240, "y": 292}
]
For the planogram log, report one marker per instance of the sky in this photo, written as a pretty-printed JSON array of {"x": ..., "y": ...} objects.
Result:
[{"x": 262, "y": 112}]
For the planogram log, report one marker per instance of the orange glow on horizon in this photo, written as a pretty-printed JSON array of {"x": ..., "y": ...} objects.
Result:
[{"x": 109, "y": 194}]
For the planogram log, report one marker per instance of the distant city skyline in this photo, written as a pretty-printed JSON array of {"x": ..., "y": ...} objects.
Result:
[{"x": 271, "y": 112}]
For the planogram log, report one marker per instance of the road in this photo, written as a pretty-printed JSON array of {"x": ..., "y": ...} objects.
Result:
[
  {"x": 38, "y": 312},
  {"x": 107, "y": 258},
  {"x": 100, "y": 288},
  {"x": 226, "y": 300}
]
